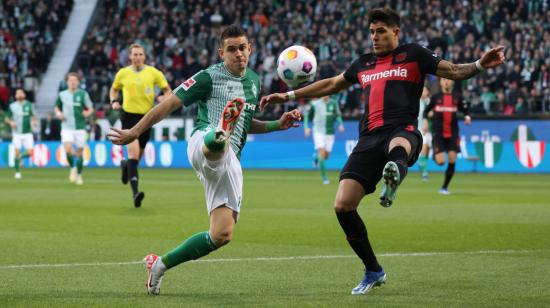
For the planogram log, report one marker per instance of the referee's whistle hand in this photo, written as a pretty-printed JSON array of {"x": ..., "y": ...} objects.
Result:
[{"x": 121, "y": 136}]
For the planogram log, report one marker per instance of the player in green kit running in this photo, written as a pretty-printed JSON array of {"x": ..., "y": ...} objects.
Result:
[
  {"x": 20, "y": 116},
  {"x": 72, "y": 107},
  {"x": 227, "y": 95},
  {"x": 324, "y": 112}
]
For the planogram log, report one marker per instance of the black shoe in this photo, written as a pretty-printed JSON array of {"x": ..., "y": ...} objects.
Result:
[
  {"x": 124, "y": 171},
  {"x": 138, "y": 198}
]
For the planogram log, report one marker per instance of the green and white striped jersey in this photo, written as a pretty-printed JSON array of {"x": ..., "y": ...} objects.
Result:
[
  {"x": 212, "y": 89},
  {"x": 22, "y": 114},
  {"x": 72, "y": 104},
  {"x": 423, "y": 104},
  {"x": 324, "y": 114}
]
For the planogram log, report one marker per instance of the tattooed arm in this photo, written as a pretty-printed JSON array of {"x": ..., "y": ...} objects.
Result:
[{"x": 490, "y": 59}]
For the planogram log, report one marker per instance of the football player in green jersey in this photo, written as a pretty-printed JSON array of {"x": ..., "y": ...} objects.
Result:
[
  {"x": 21, "y": 117},
  {"x": 227, "y": 95},
  {"x": 72, "y": 107}
]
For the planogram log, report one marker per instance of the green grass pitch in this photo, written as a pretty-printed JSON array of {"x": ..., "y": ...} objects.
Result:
[{"x": 487, "y": 244}]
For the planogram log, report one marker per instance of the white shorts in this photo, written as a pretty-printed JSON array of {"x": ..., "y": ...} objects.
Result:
[
  {"x": 25, "y": 140},
  {"x": 427, "y": 139},
  {"x": 222, "y": 179},
  {"x": 77, "y": 137},
  {"x": 323, "y": 141}
]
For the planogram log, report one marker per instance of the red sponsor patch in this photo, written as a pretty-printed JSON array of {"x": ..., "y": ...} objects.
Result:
[
  {"x": 188, "y": 83},
  {"x": 409, "y": 128}
]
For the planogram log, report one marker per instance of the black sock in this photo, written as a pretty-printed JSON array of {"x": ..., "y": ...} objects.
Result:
[
  {"x": 133, "y": 175},
  {"x": 448, "y": 175},
  {"x": 400, "y": 157},
  {"x": 358, "y": 239}
]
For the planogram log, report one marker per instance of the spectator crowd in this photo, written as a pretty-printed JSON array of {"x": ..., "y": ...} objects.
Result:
[{"x": 180, "y": 38}]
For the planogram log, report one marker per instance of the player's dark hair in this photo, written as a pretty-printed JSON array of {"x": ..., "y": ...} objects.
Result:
[
  {"x": 230, "y": 32},
  {"x": 385, "y": 15}
]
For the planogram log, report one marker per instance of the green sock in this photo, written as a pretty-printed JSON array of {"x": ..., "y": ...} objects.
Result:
[
  {"x": 322, "y": 167},
  {"x": 196, "y": 246},
  {"x": 17, "y": 162},
  {"x": 422, "y": 162},
  {"x": 211, "y": 143},
  {"x": 70, "y": 159},
  {"x": 79, "y": 165}
]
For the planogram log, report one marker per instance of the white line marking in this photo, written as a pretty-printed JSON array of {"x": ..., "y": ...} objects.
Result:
[{"x": 289, "y": 258}]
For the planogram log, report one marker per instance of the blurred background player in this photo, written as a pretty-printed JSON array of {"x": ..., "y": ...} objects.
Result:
[
  {"x": 323, "y": 112},
  {"x": 137, "y": 82},
  {"x": 445, "y": 106},
  {"x": 392, "y": 77},
  {"x": 227, "y": 94},
  {"x": 20, "y": 116},
  {"x": 426, "y": 134},
  {"x": 72, "y": 107}
]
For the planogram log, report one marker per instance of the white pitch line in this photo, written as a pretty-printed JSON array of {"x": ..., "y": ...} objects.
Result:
[{"x": 289, "y": 258}]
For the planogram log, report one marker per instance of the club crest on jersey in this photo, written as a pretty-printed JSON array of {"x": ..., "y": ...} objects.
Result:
[
  {"x": 401, "y": 57},
  {"x": 254, "y": 90},
  {"x": 188, "y": 83}
]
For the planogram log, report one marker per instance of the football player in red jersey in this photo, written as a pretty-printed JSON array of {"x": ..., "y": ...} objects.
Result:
[
  {"x": 392, "y": 78},
  {"x": 445, "y": 138}
]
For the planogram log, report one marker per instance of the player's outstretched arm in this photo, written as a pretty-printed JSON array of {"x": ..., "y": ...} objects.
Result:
[
  {"x": 287, "y": 120},
  {"x": 159, "y": 112},
  {"x": 317, "y": 89},
  {"x": 490, "y": 59}
]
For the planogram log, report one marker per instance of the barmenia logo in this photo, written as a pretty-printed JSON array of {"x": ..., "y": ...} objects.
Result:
[{"x": 398, "y": 72}]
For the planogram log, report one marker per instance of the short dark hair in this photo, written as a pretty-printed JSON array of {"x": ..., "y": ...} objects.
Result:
[
  {"x": 385, "y": 15},
  {"x": 232, "y": 31}
]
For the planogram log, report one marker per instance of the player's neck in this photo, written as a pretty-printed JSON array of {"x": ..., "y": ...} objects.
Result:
[
  {"x": 72, "y": 90},
  {"x": 237, "y": 73},
  {"x": 20, "y": 102},
  {"x": 138, "y": 68}
]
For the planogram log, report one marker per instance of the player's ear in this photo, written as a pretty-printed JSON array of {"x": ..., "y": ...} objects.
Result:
[
  {"x": 220, "y": 52},
  {"x": 396, "y": 31}
]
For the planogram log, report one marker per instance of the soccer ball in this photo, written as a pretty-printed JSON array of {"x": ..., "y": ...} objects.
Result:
[{"x": 296, "y": 66}]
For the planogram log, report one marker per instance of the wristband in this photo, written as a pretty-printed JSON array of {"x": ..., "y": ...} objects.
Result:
[
  {"x": 291, "y": 95},
  {"x": 272, "y": 126},
  {"x": 479, "y": 66}
]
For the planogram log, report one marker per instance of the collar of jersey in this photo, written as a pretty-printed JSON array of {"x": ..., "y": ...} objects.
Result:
[
  {"x": 137, "y": 71},
  {"x": 231, "y": 74}
]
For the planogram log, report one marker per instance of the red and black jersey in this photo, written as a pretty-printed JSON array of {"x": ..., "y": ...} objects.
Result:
[
  {"x": 392, "y": 84},
  {"x": 445, "y": 108}
]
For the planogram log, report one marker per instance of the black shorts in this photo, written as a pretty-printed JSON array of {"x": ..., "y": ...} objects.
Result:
[
  {"x": 129, "y": 120},
  {"x": 441, "y": 144},
  {"x": 370, "y": 155}
]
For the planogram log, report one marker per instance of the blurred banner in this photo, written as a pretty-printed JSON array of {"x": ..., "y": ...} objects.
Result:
[{"x": 487, "y": 146}]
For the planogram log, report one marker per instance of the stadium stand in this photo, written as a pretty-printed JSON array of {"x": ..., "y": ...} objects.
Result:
[
  {"x": 29, "y": 31},
  {"x": 180, "y": 38}
]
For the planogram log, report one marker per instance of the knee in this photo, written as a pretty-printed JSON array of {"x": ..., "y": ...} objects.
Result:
[
  {"x": 222, "y": 237},
  {"x": 342, "y": 205},
  {"x": 440, "y": 162}
]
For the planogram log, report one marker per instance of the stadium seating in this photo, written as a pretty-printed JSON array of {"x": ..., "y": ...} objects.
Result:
[
  {"x": 180, "y": 38},
  {"x": 29, "y": 31}
]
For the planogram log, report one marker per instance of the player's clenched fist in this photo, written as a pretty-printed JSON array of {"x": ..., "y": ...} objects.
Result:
[{"x": 121, "y": 136}]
